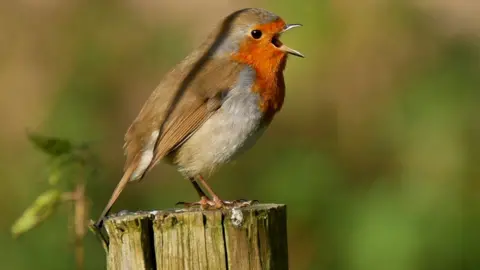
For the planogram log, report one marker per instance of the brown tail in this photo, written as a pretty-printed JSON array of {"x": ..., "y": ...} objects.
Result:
[{"x": 120, "y": 186}]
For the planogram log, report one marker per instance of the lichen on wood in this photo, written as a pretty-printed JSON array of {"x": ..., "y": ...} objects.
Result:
[{"x": 252, "y": 238}]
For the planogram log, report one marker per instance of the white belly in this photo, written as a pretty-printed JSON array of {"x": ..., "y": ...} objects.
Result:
[{"x": 234, "y": 128}]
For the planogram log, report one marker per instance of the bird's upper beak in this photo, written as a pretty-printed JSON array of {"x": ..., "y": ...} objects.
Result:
[{"x": 285, "y": 48}]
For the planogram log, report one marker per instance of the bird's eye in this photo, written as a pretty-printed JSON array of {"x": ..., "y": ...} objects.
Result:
[{"x": 256, "y": 34}]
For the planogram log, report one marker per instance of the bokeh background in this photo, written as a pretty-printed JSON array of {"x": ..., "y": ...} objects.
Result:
[{"x": 375, "y": 152}]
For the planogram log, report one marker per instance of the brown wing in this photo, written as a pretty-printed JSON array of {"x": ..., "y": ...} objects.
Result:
[
  {"x": 179, "y": 128},
  {"x": 181, "y": 103}
]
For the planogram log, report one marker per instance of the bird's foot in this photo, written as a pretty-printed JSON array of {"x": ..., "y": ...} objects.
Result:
[
  {"x": 204, "y": 203},
  {"x": 232, "y": 204},
  {"x": 217, "y": 203}
]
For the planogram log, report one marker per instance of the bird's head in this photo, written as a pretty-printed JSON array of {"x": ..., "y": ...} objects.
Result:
[{"x": 252, "y": 36}]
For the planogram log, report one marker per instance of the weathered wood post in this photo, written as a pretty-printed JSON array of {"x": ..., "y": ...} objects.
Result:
[{"x": 250, "y": 238}]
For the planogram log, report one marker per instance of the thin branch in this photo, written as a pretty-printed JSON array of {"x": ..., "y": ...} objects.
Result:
[{"x": 80, "y": 224}]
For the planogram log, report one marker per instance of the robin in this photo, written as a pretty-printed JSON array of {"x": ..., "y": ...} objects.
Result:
[{"x": 213, "y": 105}]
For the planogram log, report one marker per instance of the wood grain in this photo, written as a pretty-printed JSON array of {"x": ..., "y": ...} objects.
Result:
[{"x": 253, "y": 238}]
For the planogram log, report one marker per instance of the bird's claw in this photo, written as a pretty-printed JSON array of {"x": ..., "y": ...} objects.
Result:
[
  {"x": 239, "y": 203},
  {"x": 204, "y": 203},
  {"x": 217, "y": 203}
]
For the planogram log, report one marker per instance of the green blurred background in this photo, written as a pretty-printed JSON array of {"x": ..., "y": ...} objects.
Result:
[{"x": 375, "y": 151}]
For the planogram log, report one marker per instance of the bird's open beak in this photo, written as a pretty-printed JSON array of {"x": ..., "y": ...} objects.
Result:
[{"x": 286, "y": 49}]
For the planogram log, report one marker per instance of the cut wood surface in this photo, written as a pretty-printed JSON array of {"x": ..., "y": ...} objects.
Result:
[{"x": 253, "y": 237}]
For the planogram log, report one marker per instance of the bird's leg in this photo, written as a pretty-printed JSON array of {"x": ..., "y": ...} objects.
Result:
[
  {"x": 197, "y": 187},
  {"x": 204, "y": 201},
  {"x": 217, "y": 202}
]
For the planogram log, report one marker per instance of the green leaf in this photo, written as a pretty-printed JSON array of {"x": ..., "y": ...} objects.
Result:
[
  {"x": 60, "y": 167},
  {"x": 50, "y": 145},
  {"x": 54, "y": 177},
  {"x": 39, "y": 211}
]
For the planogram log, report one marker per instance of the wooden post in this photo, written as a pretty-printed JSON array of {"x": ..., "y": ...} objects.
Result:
[{"x": 250, "y": 238}]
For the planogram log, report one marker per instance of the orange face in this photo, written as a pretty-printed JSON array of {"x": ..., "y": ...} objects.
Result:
[{"x": 261, "y": 49}]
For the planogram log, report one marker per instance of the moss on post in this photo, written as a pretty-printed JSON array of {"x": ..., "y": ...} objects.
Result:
[
  {"x": 252, "y": 238},
  {"x": 130, "y": 245}
]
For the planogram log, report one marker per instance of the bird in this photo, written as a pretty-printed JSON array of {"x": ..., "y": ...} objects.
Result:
[{"x": 212, "y": 106}]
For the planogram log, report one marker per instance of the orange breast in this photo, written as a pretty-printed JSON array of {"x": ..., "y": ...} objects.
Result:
[{"x": 269, "y": 63}]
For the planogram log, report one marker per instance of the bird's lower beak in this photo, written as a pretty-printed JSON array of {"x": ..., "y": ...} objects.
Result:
[{"x": 287, "y": 49}]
